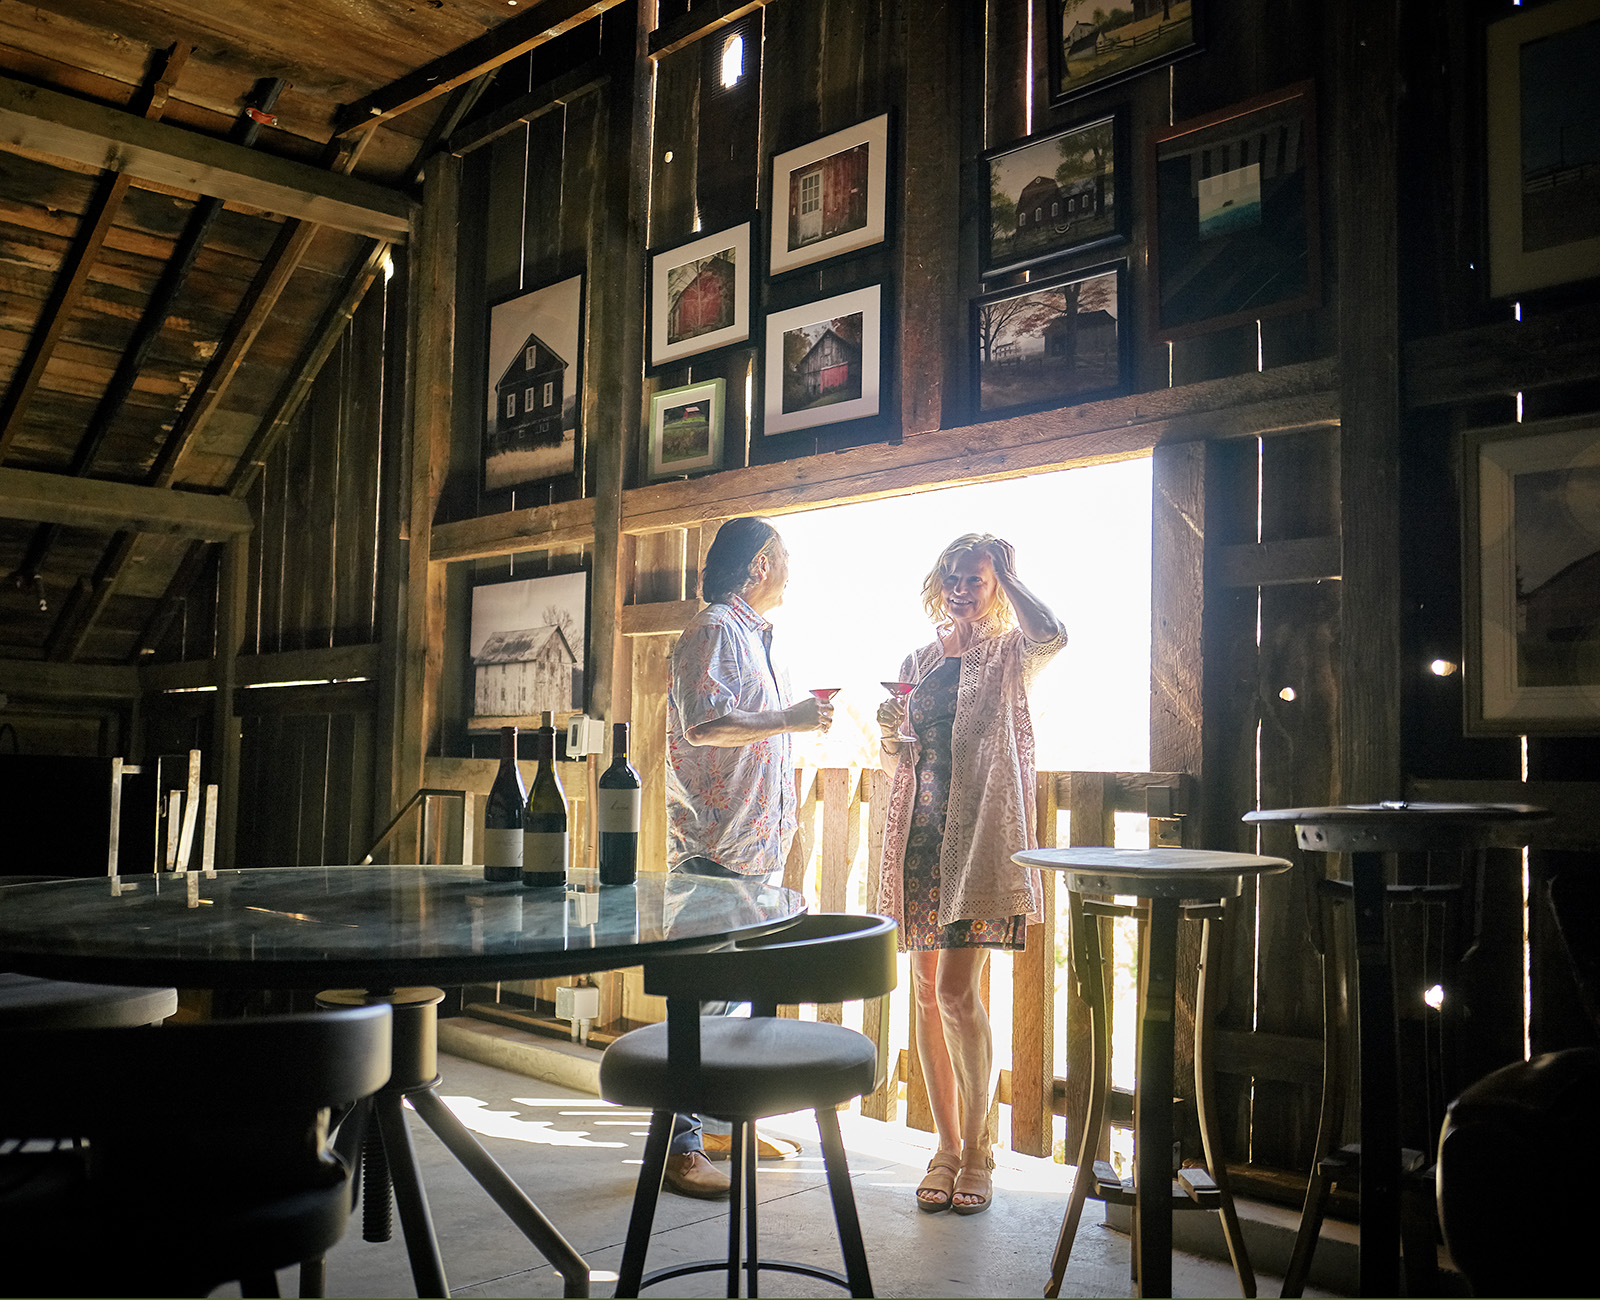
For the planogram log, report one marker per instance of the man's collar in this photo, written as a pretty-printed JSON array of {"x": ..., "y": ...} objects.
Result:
[{"x": 747, "y": 615}]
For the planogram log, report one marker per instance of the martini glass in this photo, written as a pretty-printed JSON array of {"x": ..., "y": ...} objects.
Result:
[
  {"x": 898, "y": 689},
  {"x": 825, "y": 693}
]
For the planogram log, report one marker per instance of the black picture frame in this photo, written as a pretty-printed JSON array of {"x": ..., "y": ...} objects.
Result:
[
  {"x": 1236, "y": 215},
  {"x": 1050, "y": 343},
  {"x": 1093, "y": 46},
  {"x": 1530, "y": 559},
  {"x": 1056, "y": 193},
  {"x": 533, "y": 386},
  {"x": 823, "y": 362},
  {"x": 517, "y": 668},
  {"x": 717, "y": 270}
]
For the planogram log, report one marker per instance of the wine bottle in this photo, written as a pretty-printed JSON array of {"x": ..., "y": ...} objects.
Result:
[
  {"x": 502, "y": 815},
  {"x": 619, "y": 814},
  {"x": 545, "y": 845}
]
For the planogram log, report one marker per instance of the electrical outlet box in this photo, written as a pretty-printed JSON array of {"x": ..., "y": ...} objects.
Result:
[
  {"x": 577, "y": 1003},
  {"x": 585, "y": 736}
]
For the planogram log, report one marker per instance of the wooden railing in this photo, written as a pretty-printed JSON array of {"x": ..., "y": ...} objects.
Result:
[{"x": 836, "y": 859}]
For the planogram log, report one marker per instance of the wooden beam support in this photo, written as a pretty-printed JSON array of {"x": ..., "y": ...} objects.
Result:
[
  {"x": 1511, "y": 356},
  {"x": 64, "y": 126},
  {"x": 329, "y": 664},
  {"x": 73, "y": 276},
  {"x": 1285, "y": 398},
  {"x": 511, "y": 39},
  {"x": 1366, "y": 131},
  {"x": 536, "y": 103},
  {"x": 96, "y": 503},
  {"x": 701, "y": 21},
  {"x": 658, "y": 618},
  {"x": 28, "y": 677},
  {"x": 1264, "y": 564}
]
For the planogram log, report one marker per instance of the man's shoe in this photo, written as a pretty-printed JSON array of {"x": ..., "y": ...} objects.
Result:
[
  {"x": 719, "y": 1146},
  {"x": 691, "y": 1174}
]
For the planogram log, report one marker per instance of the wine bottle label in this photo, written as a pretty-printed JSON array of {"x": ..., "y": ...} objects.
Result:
[
  {"x": 618, "y": 811},
  {"x": 544, "y": 851},
  {"x": 502, "y": 848}
]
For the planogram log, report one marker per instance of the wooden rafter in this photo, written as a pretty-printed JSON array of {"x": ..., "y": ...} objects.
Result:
[
  {"x": 65, "y": 126},
  {"x": 511, "y": 39},
  {"x": 80, "y": 260},
  {"x": 95, "y": 503}
]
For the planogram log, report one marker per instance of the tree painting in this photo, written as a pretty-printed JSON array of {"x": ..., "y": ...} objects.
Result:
[
  {"x": 1044, "y": 346},
  {"x": 1053, "y": 195}
]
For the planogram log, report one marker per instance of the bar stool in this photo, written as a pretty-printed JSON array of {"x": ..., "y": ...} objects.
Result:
[
  {"x": 1166, "y": 880},
  {"x": 1368, "y": 833}
]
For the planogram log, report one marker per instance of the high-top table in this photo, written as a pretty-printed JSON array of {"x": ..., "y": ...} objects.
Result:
[
  {"x": 385, "y": 929},
  {"x": 1367, "y": 832},
  {"x": 1167, "y": 878}
]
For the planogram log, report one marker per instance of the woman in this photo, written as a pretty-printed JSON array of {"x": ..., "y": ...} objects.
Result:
[{"x": 960, "y": 749}]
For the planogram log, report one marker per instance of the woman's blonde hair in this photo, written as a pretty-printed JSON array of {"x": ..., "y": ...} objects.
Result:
[{"x": 984, "y": 544}]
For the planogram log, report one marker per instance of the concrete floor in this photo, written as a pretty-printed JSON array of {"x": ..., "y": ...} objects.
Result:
[{"x": 578, "y": 1159}]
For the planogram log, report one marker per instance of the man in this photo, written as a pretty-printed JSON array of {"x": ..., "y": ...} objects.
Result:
[{"x": 730, "y": 769}]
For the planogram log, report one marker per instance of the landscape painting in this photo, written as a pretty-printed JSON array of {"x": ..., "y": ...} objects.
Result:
[
  {"x": 1051, "y": 196},
  {"x": 1051, "y": 343}
]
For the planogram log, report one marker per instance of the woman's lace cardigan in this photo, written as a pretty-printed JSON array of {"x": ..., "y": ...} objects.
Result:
[{"x": 990, "y": 814}]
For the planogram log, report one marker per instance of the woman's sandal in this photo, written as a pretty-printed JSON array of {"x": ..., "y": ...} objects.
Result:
[
  {"x": 973, "y": 1179},
  {"x": 940, "y": 1180}
]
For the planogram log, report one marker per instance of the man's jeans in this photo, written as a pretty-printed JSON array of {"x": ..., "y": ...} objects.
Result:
[{"x": 686, "y": 1129}]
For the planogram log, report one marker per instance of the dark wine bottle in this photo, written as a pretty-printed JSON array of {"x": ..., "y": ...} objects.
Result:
[
  {"x": 546, "y": 847},
  {"x": 619, "y": 814},
  {"x": 502, "y": 815}
]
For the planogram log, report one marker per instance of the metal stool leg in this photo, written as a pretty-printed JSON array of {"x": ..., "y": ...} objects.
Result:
[
  {"x": 630, "y": 1273},
  {"x": 844, "y": 1203},
  {"x": 1205, "y": 1100}
]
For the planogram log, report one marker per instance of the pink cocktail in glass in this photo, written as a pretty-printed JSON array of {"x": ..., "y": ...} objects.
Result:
[
  {"x": 825, "y": 693},
  {"x": 899, "y": 688}
]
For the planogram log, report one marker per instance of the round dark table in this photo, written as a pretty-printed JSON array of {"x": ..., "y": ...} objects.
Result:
[
  {"x": 388, "y": 930},
  {"x": 1367, "y": 832}
]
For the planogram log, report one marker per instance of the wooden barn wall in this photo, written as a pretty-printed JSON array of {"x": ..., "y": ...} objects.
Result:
[{"x": 306, "y": 765}]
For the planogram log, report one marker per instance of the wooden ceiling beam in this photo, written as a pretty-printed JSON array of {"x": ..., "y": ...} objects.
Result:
[
  {"x": 98, "y": 504},
  {"x": 32, "y": 117},
  {"x": 73, "y": 277},
  {"x": 515, "y": 37}
]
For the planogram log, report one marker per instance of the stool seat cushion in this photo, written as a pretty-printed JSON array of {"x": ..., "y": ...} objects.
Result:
[
  {"x": 748, "y": 1068},
  {"x": 27, "y": 1002}
]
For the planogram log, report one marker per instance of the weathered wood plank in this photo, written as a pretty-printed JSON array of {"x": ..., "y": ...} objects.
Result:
[
  {"x": 544, "y": 99},
  {"x": 1263, "y": 564},
  {"x": 1033, "y": 1002},
  {"x": 1543, "y": 349},
  {"x": 29, "y": 677},
  {"x": 98, "y": 504},
  {"x": 33, "y": 117},
  {"x": 657, "y": 618}
]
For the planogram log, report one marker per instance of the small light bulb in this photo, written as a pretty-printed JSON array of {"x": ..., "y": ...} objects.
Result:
[
  {"x": 1434, "y": 997},
  {"x": 667, "y": 157},
  {"x": 1287, "y": 693},
  {"x": 1441, "y": 668}
]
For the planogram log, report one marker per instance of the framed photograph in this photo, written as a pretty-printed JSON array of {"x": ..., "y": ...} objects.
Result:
[
  {"x": 1544, "y": 147},
  {"x": 1054, "y": 342},
  {"x": 829, "y": 196},
  {"x": 700, "y": 296},
  {"x": 533, "y": 390},
  {"x": 1531, "y": 509},
  {"x": 1236, "y": 216},
  {"x": 823, "y": 361},
  {"x": 1094, "y": 45},
  {"x": 1060, "y": 194},
  {"x": 526, "y": 646},
  {"x": 686, "y": 430}
]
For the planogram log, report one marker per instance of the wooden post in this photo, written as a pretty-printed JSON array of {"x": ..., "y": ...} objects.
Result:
[
  {"x": 884, "y": 1102},
  {"x": 232, "y": 587},
  {"x": 1033, "y": 1020},
  {"x": 1092, "y": 823},
  {"x": 432, "y": 328}
]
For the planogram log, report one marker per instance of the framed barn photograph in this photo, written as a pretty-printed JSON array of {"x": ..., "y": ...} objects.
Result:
[
  {"x": 823, "y": 360},
  {"x": 1050, "y": 343},
  {"x": 1531, "y": 588},
  {"x": 686, "y": 430},
  {"x": 526, "y": 647},
  {"x": 829, "y": 197},
  {"x": 700, "y": 296},
  {"x": 1544, "y": 147},
  {"x": 534, "y": 386},
  {"x": 1093, "y": 45},
  {"x": 1236, "y": 216},
  {"x": 1062, "y": 193}
]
